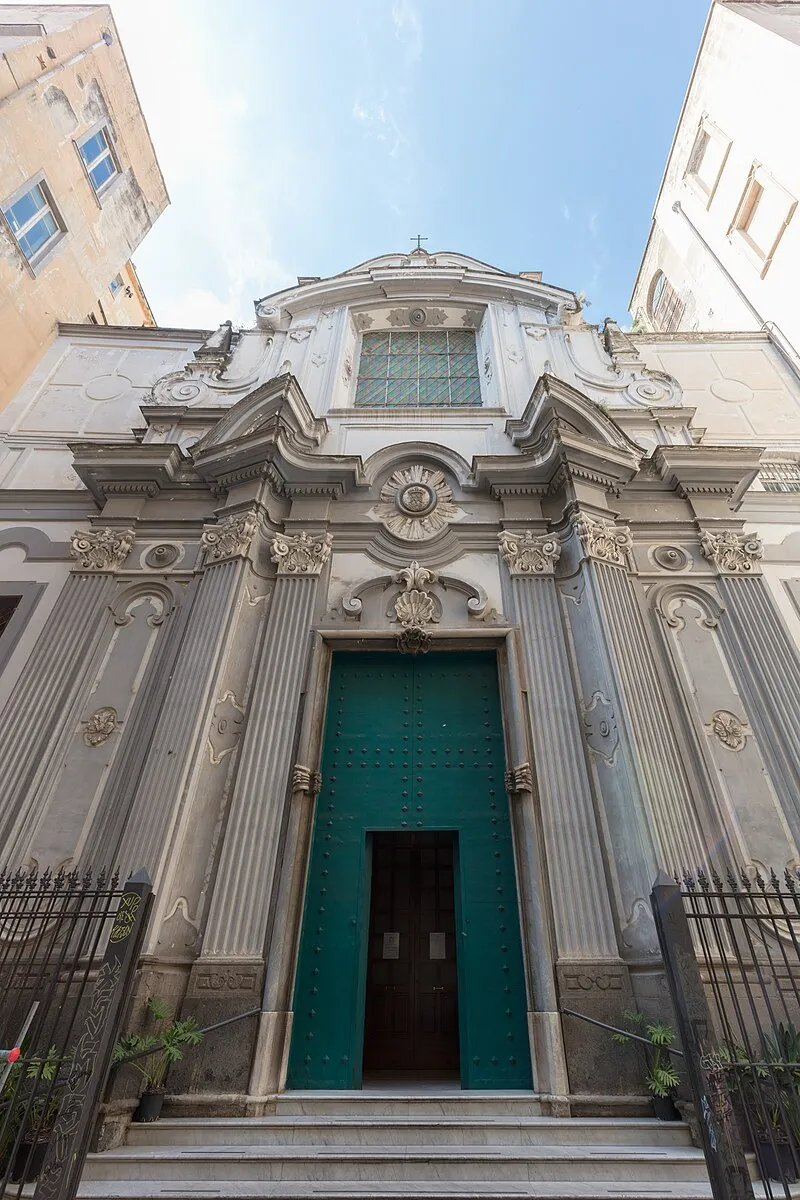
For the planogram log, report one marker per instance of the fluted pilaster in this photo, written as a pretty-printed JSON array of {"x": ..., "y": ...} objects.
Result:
[
  {"x": 41, "y": 703},
  {"x": 137, "y": 836},
  {"x": 768, "y": 665},
  {"x": 240, "y": 906},
  {"x": 584, "y": 925},
  {"x": 662, "y": 779}
]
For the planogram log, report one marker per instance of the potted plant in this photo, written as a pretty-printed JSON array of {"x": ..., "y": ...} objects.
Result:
[
  {"x": 34, "y": 1102},
  {"x": 770, "y": 1091},
  {"x": 662, "y": 1077},
  {"x": 152, "y": 1053}
]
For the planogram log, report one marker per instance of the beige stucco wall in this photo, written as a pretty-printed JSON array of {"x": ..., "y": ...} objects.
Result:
[
  {"x": 43, "y": 111},
  {"x": 747, "y": 82}
]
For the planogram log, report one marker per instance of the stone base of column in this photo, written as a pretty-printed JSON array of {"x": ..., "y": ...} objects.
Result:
[
  {"x": 219, "y": 989},
  {"x": 550, "y": 1077},
  {"x": 270, "y": 1061},
  {"x": 601, "y": 989}
]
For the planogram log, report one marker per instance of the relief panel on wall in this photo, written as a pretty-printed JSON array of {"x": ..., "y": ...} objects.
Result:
[{"x": 750, "y": 825}]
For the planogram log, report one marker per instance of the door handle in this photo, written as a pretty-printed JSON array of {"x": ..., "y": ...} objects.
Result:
[{"x": 438, "y": 989}]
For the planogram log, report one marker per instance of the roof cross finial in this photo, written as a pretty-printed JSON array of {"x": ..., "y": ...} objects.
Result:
[{"x": 420, "y": 239}]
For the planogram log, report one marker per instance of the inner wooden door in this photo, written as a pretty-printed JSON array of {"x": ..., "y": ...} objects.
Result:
[{"x": 411, "y": 1021}]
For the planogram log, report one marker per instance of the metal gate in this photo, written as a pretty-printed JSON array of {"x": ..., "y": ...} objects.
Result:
[
  {"x": 69, "y": 944},
  {"x": 731, "y": 950}
]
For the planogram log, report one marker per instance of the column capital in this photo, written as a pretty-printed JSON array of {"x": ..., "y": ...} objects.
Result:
[
  {"x": 527, "y": 553},
  {"x": 304, "y": 779},
  {"x": 301, "y": 553},
  {"x": 231, "y": 537},
  {"x": 519, "y": 779},
  {"x": 603, "y": 540},
  {"x": 101, "y": 549},
  {"x": 732, "y": 553}
]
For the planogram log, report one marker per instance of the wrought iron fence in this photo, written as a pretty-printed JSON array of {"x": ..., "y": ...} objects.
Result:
[
  {"x": 731, "y": 948},
  {"x": 69, "y": 944}
]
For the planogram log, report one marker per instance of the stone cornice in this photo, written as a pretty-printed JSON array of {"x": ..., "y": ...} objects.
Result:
[
  {"x": 708, "y": 470},
  {"x": 113, "y": 469}
]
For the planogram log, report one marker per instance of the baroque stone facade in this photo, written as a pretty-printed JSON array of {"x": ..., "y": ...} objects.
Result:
[{"x": 594, "y": 526}]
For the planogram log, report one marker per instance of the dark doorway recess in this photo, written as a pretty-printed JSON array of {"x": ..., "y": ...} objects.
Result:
[{"x": 411, "y": 1024}]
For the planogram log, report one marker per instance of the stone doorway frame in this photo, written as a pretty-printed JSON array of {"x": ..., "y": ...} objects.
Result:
[{"x": 548, "y": 1062}]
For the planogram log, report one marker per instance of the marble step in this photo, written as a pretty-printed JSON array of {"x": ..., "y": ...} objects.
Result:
[
  {"x": 224, "y": 1165},
  {"x": 451, "y": 1103},
  {"x": 381, "y": 1130},
  {"x": 368, "y": 1189}
]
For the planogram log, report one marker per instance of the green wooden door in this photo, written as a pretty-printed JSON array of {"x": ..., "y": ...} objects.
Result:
[{"x": 411, "y": 744}]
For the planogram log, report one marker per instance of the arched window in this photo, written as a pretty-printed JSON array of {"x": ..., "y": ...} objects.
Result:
[{"x": 665, "y": 307}]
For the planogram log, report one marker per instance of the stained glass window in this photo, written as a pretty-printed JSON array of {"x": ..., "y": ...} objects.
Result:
[{"x": 419, "y": 369}]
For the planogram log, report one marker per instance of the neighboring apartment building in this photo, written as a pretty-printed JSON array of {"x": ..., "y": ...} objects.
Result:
[
  {"x": 724, "y": 247},
  {"x": 80, "y": 183}
]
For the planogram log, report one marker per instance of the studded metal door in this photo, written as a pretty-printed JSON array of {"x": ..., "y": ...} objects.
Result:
[{"x": 411, "y": 744}]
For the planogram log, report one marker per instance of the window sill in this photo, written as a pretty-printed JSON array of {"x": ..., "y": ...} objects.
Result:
[{"x": 40, "y": 260}]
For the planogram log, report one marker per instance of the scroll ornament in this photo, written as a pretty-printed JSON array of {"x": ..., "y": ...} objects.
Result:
[
  {"x": 301, "y": 553},
  {"x": 732, "y": 553},
  {"x": 231, "y": 538},
  {"x": 528, "y": 553},
  {"x": 101, "y": 549},
  {"x": 604, "y": 541}
]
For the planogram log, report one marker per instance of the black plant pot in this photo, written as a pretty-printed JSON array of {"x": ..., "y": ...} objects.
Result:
[
  {"x": 776, "y": 1161},
  {"x": 150, "y": 1104},
  {"x": 28, "y": 1162},
  {"x": 664, "y": 1108}
]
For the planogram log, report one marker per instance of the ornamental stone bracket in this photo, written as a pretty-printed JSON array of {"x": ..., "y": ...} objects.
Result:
[
  {"x": 519, "y": 779},
  {"x": 306, "y": 780},
  {"x": 101, "y": 549},
  {"x": 231, "y": 537},
  {"x": 415, "y": 504},
  {"x": 732, "y": 553},
  {"x": 527, "y": 553},
  {"x": 604, "y": 541},
  {"x": 414, "y": 608},
  {"x": 301, "y": 553}
]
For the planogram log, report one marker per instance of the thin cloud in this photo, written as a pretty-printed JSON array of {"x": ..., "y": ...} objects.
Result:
[{"x": 408, "y": 29}]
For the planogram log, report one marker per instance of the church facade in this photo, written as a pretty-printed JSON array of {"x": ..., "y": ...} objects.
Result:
[{"x": 402, "y": 638}]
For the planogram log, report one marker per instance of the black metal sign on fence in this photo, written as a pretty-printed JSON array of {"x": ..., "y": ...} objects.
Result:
[{"x": 727, "y": 1167}]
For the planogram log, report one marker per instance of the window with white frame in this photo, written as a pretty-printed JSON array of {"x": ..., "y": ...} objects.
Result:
[
  {"x": 764, "y": 211},
  {"x": 707, "y": 160},
  {"x": 34, "y": 220},
  {"x": 98, "y": 158},
  {"x": 665, "y": 307},
  {"x": 116, "y": 285}
]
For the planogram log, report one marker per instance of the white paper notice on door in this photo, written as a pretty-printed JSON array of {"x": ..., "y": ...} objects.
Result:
[
  {"x": 391, "y": 945},
  {"x": 436, "y": 945}
]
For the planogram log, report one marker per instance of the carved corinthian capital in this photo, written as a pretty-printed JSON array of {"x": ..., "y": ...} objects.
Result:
[
  {"x": 301, "y": 553},
  {"x": 528, "y": 553},
  {"x": 732, "y": 553},
  {"x": 603, "y": 540},
  {"x": 101, "y": 549},
  {"x": 230, "y": 538}
]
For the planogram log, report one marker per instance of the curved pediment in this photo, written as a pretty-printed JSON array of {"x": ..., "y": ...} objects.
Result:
[{"x": 577, "y": 416}]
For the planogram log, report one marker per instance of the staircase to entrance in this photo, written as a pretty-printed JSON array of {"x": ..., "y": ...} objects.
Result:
[{"x": 447, "y": 1145}]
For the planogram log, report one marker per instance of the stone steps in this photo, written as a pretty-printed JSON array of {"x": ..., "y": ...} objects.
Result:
[
  {"x": 383, "y": 1130},
  {"x": 382, "y": 1146}
]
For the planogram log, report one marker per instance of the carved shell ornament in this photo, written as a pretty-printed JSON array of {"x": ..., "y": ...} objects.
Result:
[{"x": 416, "y": 503}]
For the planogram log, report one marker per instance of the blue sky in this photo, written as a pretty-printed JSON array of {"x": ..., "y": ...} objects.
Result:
[{"x": 302, "y": 138}]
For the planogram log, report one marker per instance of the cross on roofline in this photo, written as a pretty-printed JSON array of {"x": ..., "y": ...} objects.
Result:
[{"x": 420, "y": 240}]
